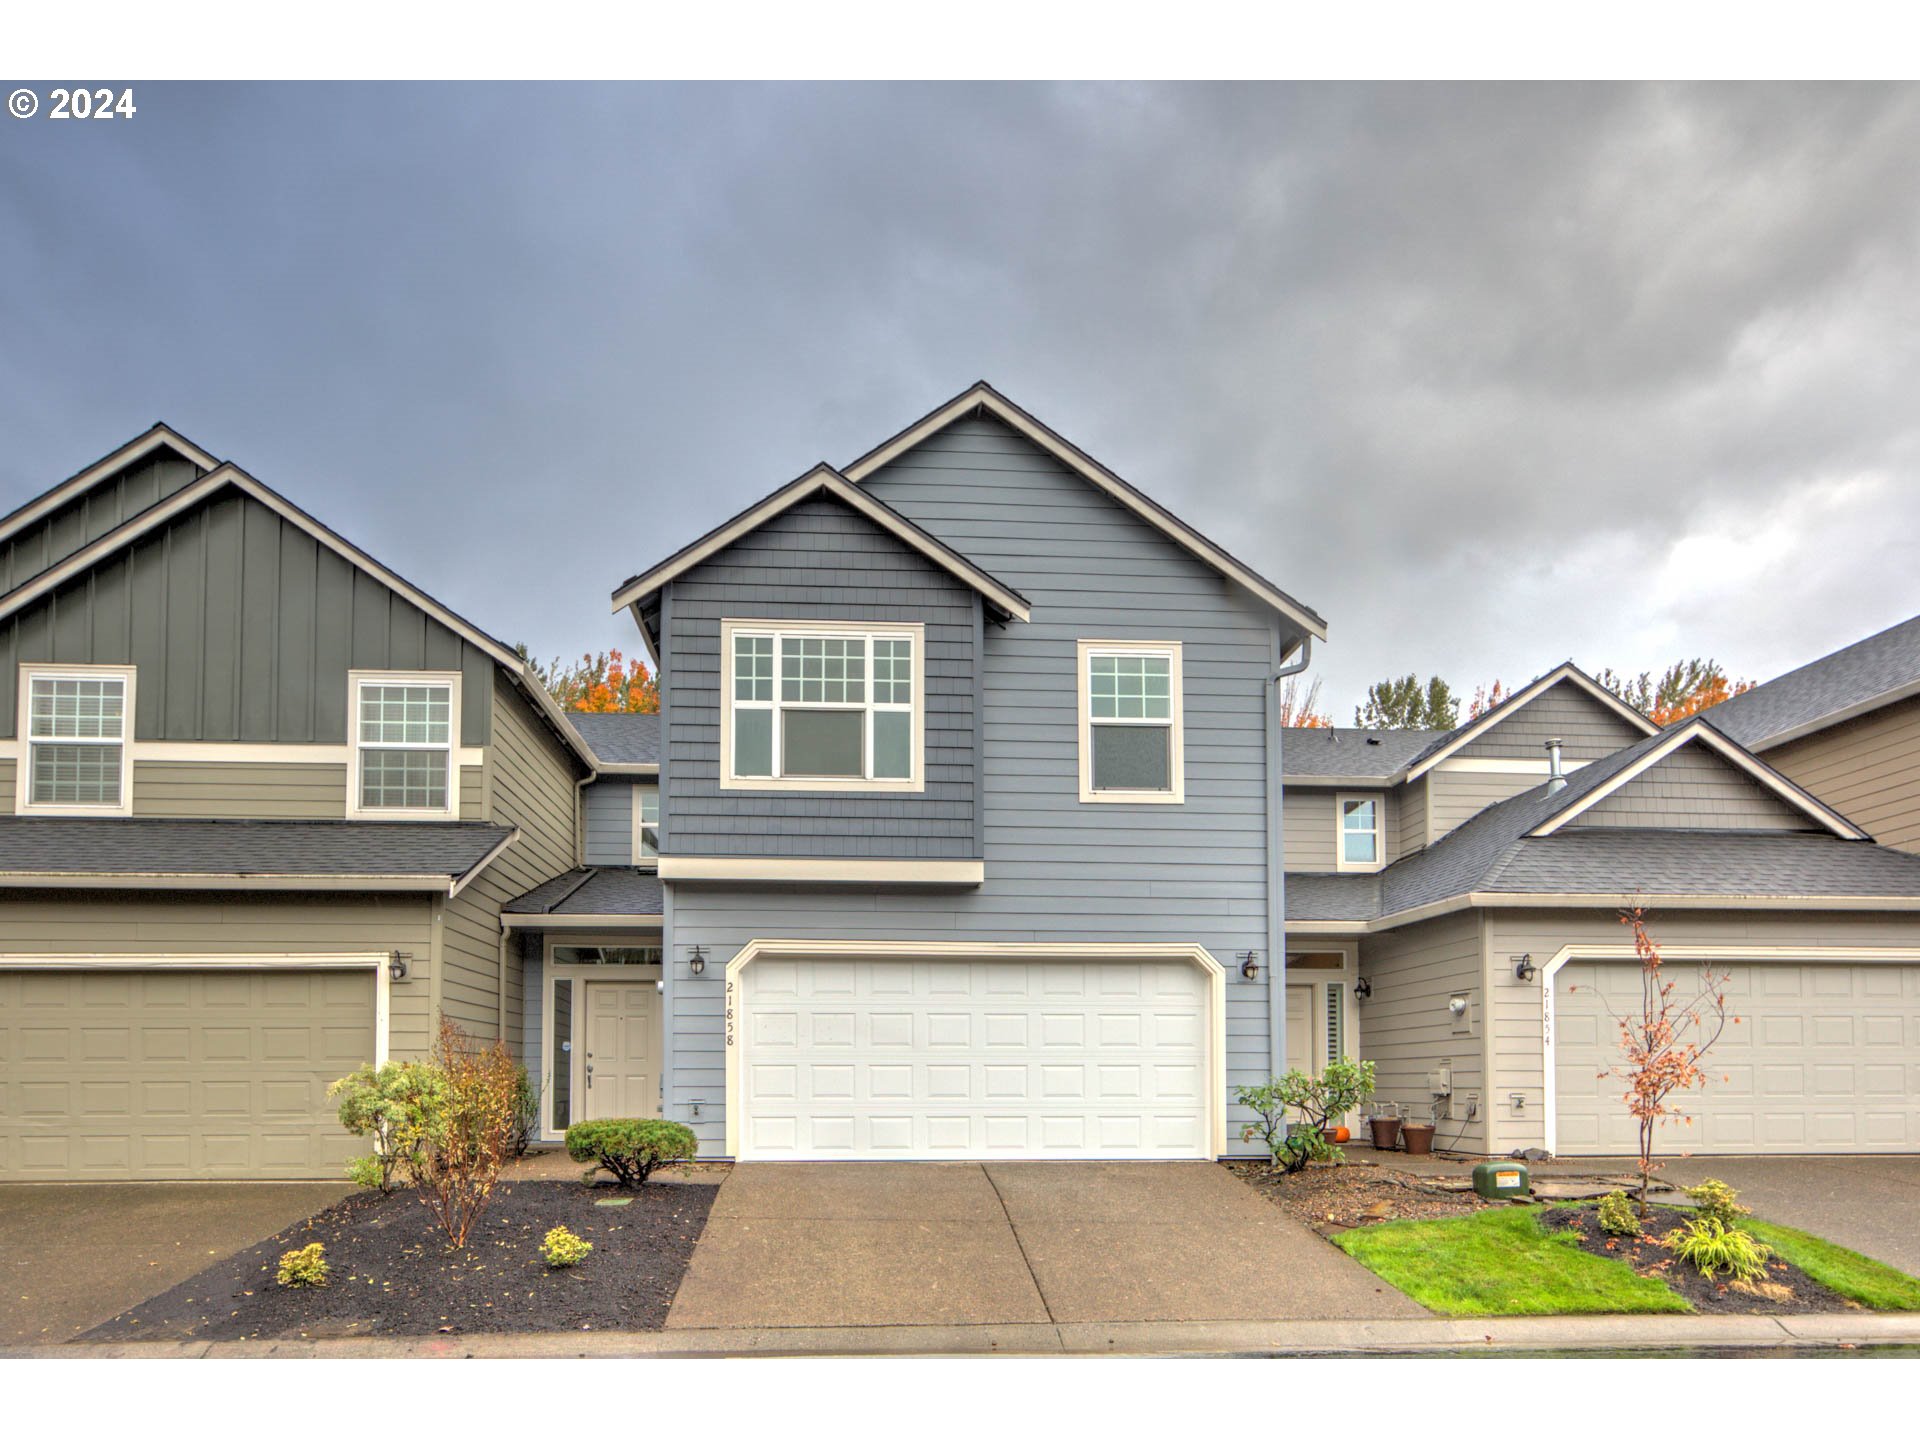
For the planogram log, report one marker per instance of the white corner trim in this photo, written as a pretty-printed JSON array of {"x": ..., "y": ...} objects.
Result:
[
  {"x": 30, "y": 671},
  {"x": 1197, "y": 955},
  {"x": 1172, "y": 650},
  {"x": 825, "y": 871},
  {"x": 1519, "y": 701},
  {"x": 135, "y": 449},
  {"x": 1704, "y": 733},
  {"x": 1816, "y": 954}
]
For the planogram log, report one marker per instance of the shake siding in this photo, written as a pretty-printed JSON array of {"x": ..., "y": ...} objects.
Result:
[
  {"x": 178, "y": 923},
  {"x": 1408, "y": 1031},
  {"x": 1587, "y": 729},
  {"x": 609, "y": 822},
  {"x": 1312, "y": 825},
  {"x": 242, "y": 627},
  {"x": 1695, "y": 789},
  {"x": 85, "y": 518},
  {"x": 1868, "y": 769},
  {"x": 1055, "y": 869},
  {"x": 1459, "y": 795}
]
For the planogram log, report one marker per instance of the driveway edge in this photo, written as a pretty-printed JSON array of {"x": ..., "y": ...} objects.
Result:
[{"x": 1232, "y": 1337}]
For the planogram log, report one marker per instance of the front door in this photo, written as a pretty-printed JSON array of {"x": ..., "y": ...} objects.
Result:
[
  {"x": 622, "y": 1072},
  {"x": 1300, "y": 1046}
]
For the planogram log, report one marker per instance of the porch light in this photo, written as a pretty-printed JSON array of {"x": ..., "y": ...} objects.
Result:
[
  {"x": 1363, "y": 988},
  {"x": 1523, "y": 970},
  {"x": 698, "y": 962},
  {"x": 1250, "y": 964},
  {"x": 397, "y": 964}
]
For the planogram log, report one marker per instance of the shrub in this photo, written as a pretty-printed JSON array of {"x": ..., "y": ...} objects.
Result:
[
  {"x": 1711, "y": 1247},
  {"x": 467, "y": 1136},
  {"x": 396, "y": 1105},
  {"x": 303, "y": 1269},
  {"x": 1293, "y": 1110},
  {"x": 1617, "y": 1215},
  {"x": 564, "y": 1248},
  {"x": 1718, "y": 1201},
  {"x": 526, "y": 1111},
  {"x": 630, "y": 1150}
]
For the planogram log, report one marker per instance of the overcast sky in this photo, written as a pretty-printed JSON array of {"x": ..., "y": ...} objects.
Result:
[{"x": 1489, "y": 376}]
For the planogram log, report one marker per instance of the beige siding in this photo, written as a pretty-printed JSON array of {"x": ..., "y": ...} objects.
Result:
[
  {"x": 1405, "y": 1026},
  {"x": 1459, "y": 795},
  {"x": 1867, "y": 769},
  {"x": 1586, "y": 728},
  {"x": 1695, "y": 789},
  {"x": 6, "y": 787},
  {"x": 1517, "y": 1019},
  {"x": 1312, "y": 830},
  {"x": 228, "y": 790},
  {"x": 162, "y": 923},
  {"x": 1410, "y": 801}
]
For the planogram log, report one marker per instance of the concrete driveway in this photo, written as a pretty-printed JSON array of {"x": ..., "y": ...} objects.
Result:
[
  {"x": 72, "y": 1256},
  {"x": 1864, "y": 1202},
  {"x": 878, "y": 1243}
]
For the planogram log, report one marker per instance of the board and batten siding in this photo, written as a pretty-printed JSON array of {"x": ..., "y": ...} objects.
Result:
[
  {"x": 1586, "y": 729},
  {"x": 1409, "y": 1031},
  {"x": 1312, "y": 826},
  {"x": 103, "y": 507},
  {"x": 1056, "y": 869},
  {"x": 608, "y": 822},
  {"x": 242, "y": 627},
  {"x": 820, "y": 560},
  {"x": 1868, "y": 769},
  {"x": 1694, "y": 789}
]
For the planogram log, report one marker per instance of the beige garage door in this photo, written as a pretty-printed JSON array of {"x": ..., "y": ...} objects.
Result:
[
  {"x": 178, "y": 1074},
  {"x": 1826, "y": 1059}
]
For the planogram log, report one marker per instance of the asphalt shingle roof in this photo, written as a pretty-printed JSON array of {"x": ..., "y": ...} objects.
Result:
[
  {"x": 609, "y": 890},
  {"x": 46, "y": 845},
  {"x": 1350, "y": 754},
  {"x": 1861, "y": 672},
  {"x": 620, "y": 739}
]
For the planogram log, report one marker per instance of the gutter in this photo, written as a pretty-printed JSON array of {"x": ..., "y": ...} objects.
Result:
[{"x": 1276, "y": 857}]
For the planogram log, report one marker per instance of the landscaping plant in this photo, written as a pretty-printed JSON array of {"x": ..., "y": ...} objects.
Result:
[
  {"x": 1662, "y": 1043},
  {"x": 563, "y": 1248},
  {"x": 1711, "y": 1246},
  {"x": 467, "y": 1136},
  {"x": 1617, "y": 1215},
  {"x": 393, "y": 1105},
  {"x": 526, "y": 1112},
  {"x": 1719, "y": 1201},
  {"x": 630, "y": 1150},
  {"x": 1292, "y": 1110},
  {"x": 303, "y": 1269}
]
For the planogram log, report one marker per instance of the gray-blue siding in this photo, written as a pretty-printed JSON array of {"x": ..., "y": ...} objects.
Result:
[
  {"x": 609, "y": 822},
  {"x": 1057, "y": 869}
]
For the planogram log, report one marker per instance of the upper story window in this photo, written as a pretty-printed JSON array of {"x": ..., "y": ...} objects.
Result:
[
  {"x": 814, "y": 705},
  {"x": 1132, "y": 747},
  {"x": 402, "y": 738},
  {"x": 1362, "y": 838},
  {"x": 646, "y": 824},
  {"x": 74, "y": 721}
]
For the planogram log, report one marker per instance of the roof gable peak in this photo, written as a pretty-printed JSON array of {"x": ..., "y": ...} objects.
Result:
[{"x": 159, "y": 436}]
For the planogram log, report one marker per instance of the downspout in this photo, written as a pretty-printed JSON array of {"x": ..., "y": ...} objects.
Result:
[{"x": 1276, "y": 861}]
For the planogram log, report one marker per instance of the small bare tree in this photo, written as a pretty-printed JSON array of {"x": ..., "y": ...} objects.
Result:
[
  {"x": 1662, "y": 1044},
  {"x": 466, "y": 1137}
]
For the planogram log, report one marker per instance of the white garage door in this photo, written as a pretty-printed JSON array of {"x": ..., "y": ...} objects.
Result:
[
  {"x": 1826, "y": 1059},
  {"x": 952, "y": 1060}
]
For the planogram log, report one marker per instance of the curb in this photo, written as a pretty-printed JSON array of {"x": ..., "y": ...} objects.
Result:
[{"x": 1584, "y": 1333}]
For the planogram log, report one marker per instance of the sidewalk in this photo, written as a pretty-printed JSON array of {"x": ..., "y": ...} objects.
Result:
[{"x": 1583, "y": 1333}]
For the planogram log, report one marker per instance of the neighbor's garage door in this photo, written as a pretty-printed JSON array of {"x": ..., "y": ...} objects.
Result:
[
  {"x": 1826, "y": 1058},
  {"x": 951, "y": 1060},
  {"x": 178, "y": 1074}
]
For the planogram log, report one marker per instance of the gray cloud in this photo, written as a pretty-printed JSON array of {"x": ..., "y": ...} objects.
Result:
[{"x": 1489, "y": 375}]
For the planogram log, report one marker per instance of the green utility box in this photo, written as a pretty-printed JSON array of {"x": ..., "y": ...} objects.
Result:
[{"x": 1500, "y": 1179}]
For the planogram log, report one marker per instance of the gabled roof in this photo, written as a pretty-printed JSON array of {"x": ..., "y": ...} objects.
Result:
[
  {"x": 620, "y": 742},
  {"x": 1564, "y": 673},
  {"x": 823, "y": 479},
  {"x": 1852, "y": 681},
  {"x": 983, "y": 397},
  {"x": 229, "y": 475},
  {"x": 106, "y": 466},
  {"x": 1349, "y": 754},
  {"x": 614, "y": 893}
]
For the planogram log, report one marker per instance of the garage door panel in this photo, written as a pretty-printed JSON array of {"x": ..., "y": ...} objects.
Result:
[{"x": 1811, "y": 1068}]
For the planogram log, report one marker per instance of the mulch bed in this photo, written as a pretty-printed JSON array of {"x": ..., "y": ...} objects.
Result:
[
  {"x": 1787, "y": 1290},
  {"x": 392, "y": 1273},
  {"x": 1339, "y": 1197}
]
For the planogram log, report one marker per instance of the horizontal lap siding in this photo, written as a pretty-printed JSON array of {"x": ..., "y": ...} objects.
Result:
[
  {"x": 609, "y": 822},
  {"x": 1867, "y": 769},
  {"x": 1459, "y": 795},
  {"x": 1695, "y": 789},
  {"x": 1056, "y": 869},
  {"x": 1587, "y": 729},
  {"x": 1312, "y": 840},
  {"x": 1407, "y": 1030},
  {"x": 6, "y": 787},
  {"x": 226, "y": 790}
]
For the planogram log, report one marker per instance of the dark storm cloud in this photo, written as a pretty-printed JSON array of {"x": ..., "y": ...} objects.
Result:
[{"x": 1489, "y": 375}]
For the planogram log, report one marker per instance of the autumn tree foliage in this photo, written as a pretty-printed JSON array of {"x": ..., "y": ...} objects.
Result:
[
  {"x": 1684, "y": 689},
  {"x": 1409, "y": 704},
  {"x": 607, "y": 683},
  {"x": 1662, "y": 1043},
  {"x": 1485, "y": 698},
  {"x": 1300, "y": 707}
]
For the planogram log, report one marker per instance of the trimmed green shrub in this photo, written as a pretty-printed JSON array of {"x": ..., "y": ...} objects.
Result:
[
  {"x": 1718, "y": 1201},
  {"x": 1711, "y": 1247},
  {"x": 397, "y": 1106},
  {"x": 1344, "y": 1085},
  {"x": 563, "y": 1248},
  {"x": 1617, "y": 1215},
  {"x": 630, "y": 1150},
  {"x": 303, "y": 1269}
]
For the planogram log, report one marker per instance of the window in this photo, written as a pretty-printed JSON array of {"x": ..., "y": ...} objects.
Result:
[
  {"x": 1131, "y": 745},
  {"x": 820, "y": 706},
  {"x": 75, "y": 723},
  {"x": 1360, "y": 843},
  {"x": 646, "y": 824},
  {"x": 403, "y": 740},
  {"x": 606, "y": 954}
]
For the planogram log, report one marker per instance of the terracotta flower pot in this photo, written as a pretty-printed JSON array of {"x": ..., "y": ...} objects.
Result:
[{"x": 1418, "y": 1137}]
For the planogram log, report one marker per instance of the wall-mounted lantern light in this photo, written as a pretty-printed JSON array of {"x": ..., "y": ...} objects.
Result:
[
  {"x": 1362, "y": 988},
  {"x": 1523, "y": 970},
  {"x": 698, "y": 963},
  {"x": 1250, "y": 964},
  {"x": 397, "y": 964}
]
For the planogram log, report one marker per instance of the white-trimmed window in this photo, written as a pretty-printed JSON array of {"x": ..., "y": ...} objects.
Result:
[
  {"x": 75, "y": 725},
  {"x": 402, "y": 731},
  {"x": 646, "y": 825},
  {"x": 1361, "y": 832},
  {"x": 819, "y": 705},
  {"x": 1132, "y": 749}
]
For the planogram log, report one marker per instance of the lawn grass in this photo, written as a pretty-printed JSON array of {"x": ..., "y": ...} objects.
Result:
[
  {"x": 1500, "y": 1262},
  {"x": 1846, "y": 1272}
]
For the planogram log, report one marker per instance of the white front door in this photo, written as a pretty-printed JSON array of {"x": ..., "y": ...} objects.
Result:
[
  {"x": 962, "y": 1059},
  {"x": 1300, "y": 1046},
  {"x": 621, "y": 1071}
]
